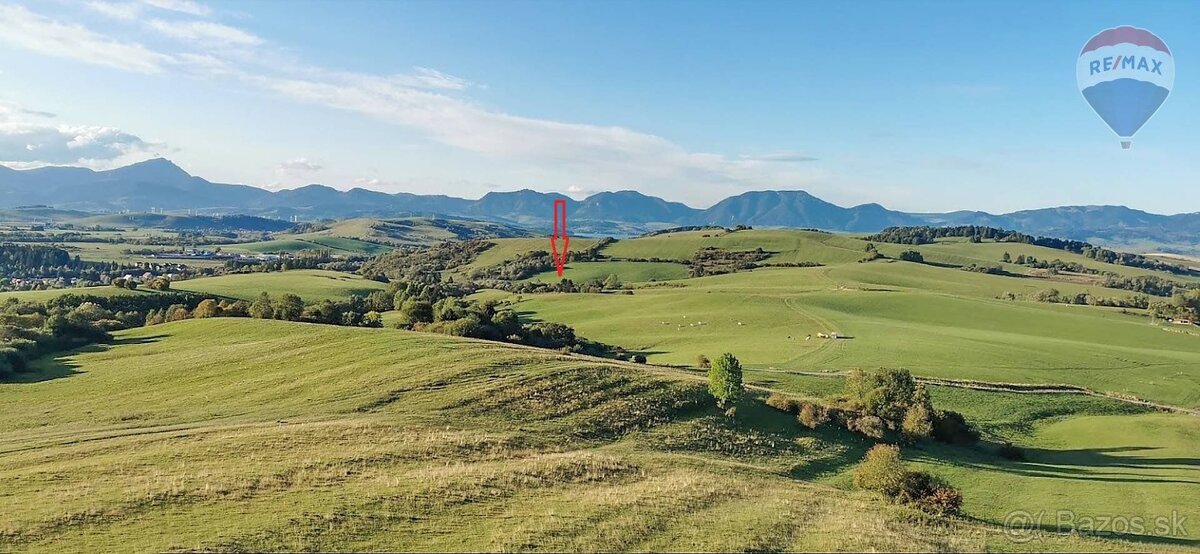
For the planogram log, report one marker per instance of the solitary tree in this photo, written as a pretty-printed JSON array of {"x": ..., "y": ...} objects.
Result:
[{"x": 725, "y": 379}]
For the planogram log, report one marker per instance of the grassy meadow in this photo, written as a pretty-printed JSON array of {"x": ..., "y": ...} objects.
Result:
[
  {"x": 232, "y": 434},
  {"x": 1090, "y": 456},
  {"x": 935, "y": 321},
  {"x": 227, "y": 434},
  {"x": 48, "y": 294},
  {"x": 313, "y": 285}
]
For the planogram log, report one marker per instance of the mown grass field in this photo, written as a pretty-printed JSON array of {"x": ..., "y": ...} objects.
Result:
[
  {"x": 627, "y": 272},
  {"x": 312, "y": 285},
  {"x": 226, "y": 434},
  {"x": 507, "y": 249},
  {"x": 935, "y": 321},
  {"x": 1087, "y": 456},
  {"x": 792, "y": 246},
  {"x": 44, "y": 295},
  {"x": 307, "y": 243}
]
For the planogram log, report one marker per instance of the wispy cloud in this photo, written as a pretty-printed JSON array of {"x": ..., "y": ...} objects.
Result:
[
  {"x": 10, "y": 111},
  {"x": 182, "y": 6},
  {"x": 433, "y": 78},
  {"x": 424, "y": 99},
  {"x": 115, "y": 10},
  {"x": 781, "y": 157},
  {"x": 25, "y": 29},
  {"x": 204, "y": 32}
]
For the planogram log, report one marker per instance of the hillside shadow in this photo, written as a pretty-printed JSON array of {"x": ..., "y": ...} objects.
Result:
[
  {"x": 647, "y": 352},
  {"x": 56, "y": 365},
  {"x": 1083, "y": 464},
  {"x": 48, "y": 370},
  {"x": 833, "y": 451}
]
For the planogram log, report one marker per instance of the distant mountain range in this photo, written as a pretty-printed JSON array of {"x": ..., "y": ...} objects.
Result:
[{"x": 159, "y": 184}]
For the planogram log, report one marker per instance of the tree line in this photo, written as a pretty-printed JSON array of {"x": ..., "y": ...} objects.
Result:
[{"x": 978, "y": 233}]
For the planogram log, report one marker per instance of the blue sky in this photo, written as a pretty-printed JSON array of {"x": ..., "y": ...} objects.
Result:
[{"x": 930, "y": 106}]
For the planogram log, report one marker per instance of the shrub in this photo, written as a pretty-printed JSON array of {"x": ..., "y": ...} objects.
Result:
[
  {"x": 918, "y": 422},
  {"x": 783, "y": 403},
  {"x": 880, "y": 470},
  {"x": 703, "y": 361},
  {"x": 869, "y": 425},
  {"x": 883, "y": 471},
  {"x": 612, "y": 282},
  {"x": 372, "y": 319},
  {"x": 416, "y": 311},
  {"x": 546, "y": 334},
  {"x": 929, "y": 493},
  {"x": 953, "y": 428},
  {"x": 944, "y": 500},
  {"x": 725, "y": 379},
  {"x": 912, "y": 256},
  {"x": 206, "y": 308},
  {"x": 159, "y": 283},
  {"x": 812, "y": 415}
]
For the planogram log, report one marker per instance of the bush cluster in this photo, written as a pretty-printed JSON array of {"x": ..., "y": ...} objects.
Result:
[{"x": 883, "y": 471}]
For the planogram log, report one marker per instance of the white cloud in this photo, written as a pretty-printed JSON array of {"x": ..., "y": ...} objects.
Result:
[
  {"x": 65, "y": 144},
  {"x": 115, "y": 10},
  {"x": 373, "y": 183},
  {"x": 27, "y": 140},
  {"x": 424, "y": 99},
  {"x": 31, "y": 31},
  {"x": 433, "y": 78},
  {"x": 299, "y": 165},
  {"x": 182, "y": 6},
  {"x": 782, "y": 157},
  {"x": 204, "y": 32},
  {"x": 11, "y": 111},
  {"x": 605, "y": 154}
]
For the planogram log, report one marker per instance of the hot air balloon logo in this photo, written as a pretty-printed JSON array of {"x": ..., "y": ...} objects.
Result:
[{"x": 1125, "y": 74}]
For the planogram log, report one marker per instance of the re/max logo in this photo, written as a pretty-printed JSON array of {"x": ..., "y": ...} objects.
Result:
[{"x": 1125, "y": 62}]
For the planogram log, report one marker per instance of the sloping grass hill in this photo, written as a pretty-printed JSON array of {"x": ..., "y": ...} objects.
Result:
[
  {"x": 313, "y": 285},
  {"x": 226, "y": 434}
]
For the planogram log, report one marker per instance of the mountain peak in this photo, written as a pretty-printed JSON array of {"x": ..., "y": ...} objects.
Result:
[{"x": 154, "y": 169}]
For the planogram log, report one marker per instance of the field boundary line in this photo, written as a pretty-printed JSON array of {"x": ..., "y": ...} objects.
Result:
[{"x": 1018, "y": 388}]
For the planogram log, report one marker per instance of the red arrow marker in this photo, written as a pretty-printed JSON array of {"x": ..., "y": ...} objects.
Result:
[{"x": 560, "y": 232}]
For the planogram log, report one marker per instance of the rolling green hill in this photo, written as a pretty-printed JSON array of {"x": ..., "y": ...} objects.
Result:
[
  {"x": 310, "y": 284},
  {"x": 935, "y": 321},
  {"x": 225, "y": 434},
  {"x": 44, "y": 295},
  {"x": 309, "y": 242},
  {"x": 367, "y": 236},
  {"x": 628, "y": 272}
]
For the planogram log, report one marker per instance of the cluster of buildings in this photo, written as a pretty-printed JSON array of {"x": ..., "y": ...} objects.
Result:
[{"x": 197, "y": 254}]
